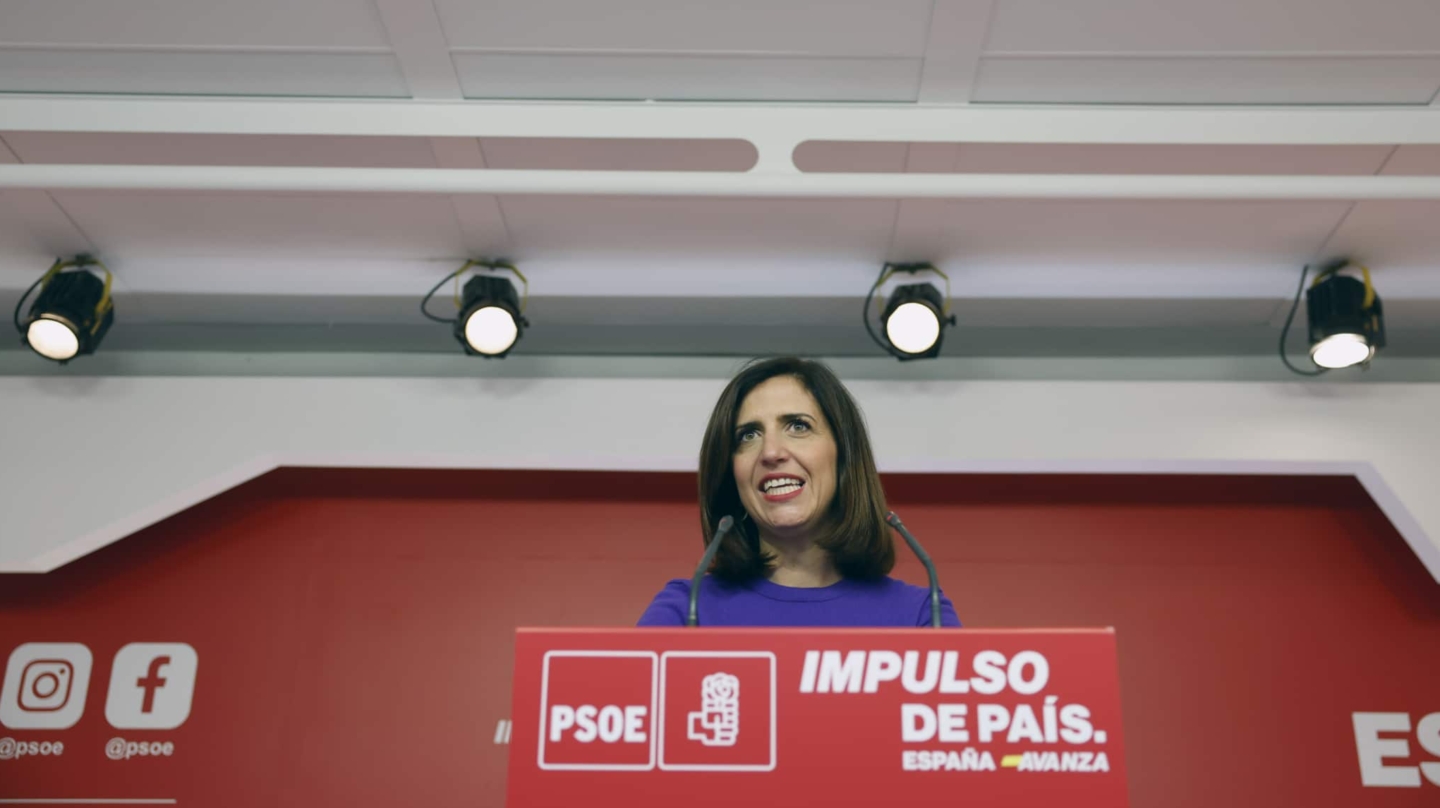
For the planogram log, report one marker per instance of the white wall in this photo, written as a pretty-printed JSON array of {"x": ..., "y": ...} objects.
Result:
[{"x": 89, "y": 460}]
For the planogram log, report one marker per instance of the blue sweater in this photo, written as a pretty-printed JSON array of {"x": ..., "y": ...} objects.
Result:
[{"x": 759, "y": 602}]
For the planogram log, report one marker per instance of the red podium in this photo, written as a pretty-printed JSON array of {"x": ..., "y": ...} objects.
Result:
[{"x": 754, "y": 717}]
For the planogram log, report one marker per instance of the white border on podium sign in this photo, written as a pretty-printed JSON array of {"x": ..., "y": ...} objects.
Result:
[
  {"x": 545, "y": 709},
  {"x": 718, "y": 767}
]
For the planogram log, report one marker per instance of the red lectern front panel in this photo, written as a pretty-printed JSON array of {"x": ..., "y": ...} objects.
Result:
[{"x": 700, "y": 717}]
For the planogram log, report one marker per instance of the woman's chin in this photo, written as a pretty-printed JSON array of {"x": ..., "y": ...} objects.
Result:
[{"x": 788, "y": 527}]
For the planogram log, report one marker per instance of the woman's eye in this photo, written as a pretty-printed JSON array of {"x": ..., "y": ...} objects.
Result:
[
  {"x": 799, "y": 426},
  {"x": 746, "y": 436}
]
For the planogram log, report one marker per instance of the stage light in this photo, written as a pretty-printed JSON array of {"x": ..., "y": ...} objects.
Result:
[
  {"x": 72, "y": 312},
  {"x": 915, "y": 316},
  {"x": 491, "y": 318},
  {"x": 1347, "y": 321}
]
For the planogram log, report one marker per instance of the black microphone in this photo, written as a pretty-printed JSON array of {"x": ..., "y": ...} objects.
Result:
[
  {"x": 894, "y": 521},
  {"x": 726, "y": 523}
]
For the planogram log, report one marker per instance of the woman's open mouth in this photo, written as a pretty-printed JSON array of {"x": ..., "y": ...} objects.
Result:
[{"x": 781, "y": 488}]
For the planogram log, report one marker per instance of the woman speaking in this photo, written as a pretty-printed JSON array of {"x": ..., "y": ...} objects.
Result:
[{"x": 787, "y": 456}]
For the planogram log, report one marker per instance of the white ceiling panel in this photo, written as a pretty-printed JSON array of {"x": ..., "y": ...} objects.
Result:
[
  {"x": 1159, "y": 80},
  {"x": 198, "y": 73},
  {"x": 1173, "y": 236},
  {"x": 682, "y": 78},
  {"x": 1025, "y": 158},
  {"x": 594, "y": 154},
  {"x": 124, "y": 148},
  {"x": 700, "y": 228},
  {"x": 813, "y": 27},
  {"x": 334, "y": 226},
  {"x": 1168, "y": 26},
  {"x": 193, "y": 23}
]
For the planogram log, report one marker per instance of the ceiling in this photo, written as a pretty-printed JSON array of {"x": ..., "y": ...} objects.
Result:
[{"x": 274, "y": 272}]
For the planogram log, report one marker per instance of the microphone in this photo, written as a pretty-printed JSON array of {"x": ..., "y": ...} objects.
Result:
[
  {"x": 894, "y": 521},
  {"x": 726, "y": 523}
]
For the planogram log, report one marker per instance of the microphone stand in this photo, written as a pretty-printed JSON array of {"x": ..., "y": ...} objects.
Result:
[
  {"x": 894, "y": 521},
  {"x": 726, "y": 523}
]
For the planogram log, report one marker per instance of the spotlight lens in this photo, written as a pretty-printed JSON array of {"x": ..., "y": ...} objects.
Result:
[
  {"x": 53, "y": 339},
  {"x": 491, "y": 330},
  {"x": 913, "y": 327},
  {"x": 1341, "y": 351}
]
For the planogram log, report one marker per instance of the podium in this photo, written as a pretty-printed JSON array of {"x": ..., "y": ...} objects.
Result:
[{"x": 757, "y": 717}]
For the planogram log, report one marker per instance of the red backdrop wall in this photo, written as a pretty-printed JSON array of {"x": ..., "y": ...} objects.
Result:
[{"x": 353, "y": 628}]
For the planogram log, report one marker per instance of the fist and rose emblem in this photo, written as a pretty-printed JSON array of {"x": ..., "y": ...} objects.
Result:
[{"x": 717, "y": 722}]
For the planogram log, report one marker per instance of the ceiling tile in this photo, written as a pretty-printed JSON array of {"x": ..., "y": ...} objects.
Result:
[
  {"x": 125, "y": 148},
  {"x": 686, "y": 78},
  {"x": 31, "y": 226},
  {"x": 194, "y": 23},
  {"x": 1164, "y": 159},
  {"x": 548, "y": 226},
  {"x": 813, "y": 27},
  {"x": 627, "y": 154},
  {"x": 198, "y": 73},
  {"x": 1110, "y": 312},
  {"x": 1178, "y": 236},
  {"x": 1414, "y": 161},
  {"x": 1168, "y": 26},
  {"x": 335, "y": 226},
  {"x": 827, "y": 156},
  {"x": 1159, "y": 80},
  {"x": 1391, "y": 234},
  {"x": 1030, "y": 158}
]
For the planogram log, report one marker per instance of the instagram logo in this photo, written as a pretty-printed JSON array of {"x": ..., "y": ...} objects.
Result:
[{"x": 45, "y": 686}]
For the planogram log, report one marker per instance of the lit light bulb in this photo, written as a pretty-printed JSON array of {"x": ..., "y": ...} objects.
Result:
[
  {"x": 1341, "y": 351},
  {"x": 913, "y": 327},
  {"x": 491, "y": 330},
  {"x": 53, "y": 339}
]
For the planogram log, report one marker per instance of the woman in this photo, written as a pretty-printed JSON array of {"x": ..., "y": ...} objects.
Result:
[{"x": 786, "y": 454}]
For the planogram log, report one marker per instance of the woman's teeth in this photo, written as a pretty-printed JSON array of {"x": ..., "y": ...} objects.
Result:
[{"x": 782, "y": 486}]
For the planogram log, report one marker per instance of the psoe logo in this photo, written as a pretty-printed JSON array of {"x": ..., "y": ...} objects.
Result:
[
  {"x": 597, "y": 711},
  {"x": 151, "y": 685},
  {"x": 1375, "y": 750},
  {"x": 45, "y": 685},
  {"x": 717, "y": 722},
  {"x": 717, "y": 711}
]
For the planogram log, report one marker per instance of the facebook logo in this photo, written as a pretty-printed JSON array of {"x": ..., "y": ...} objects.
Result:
[{"x": 151, "y": 685}]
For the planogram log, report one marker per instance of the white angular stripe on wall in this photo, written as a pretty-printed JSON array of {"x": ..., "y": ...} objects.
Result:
[{"x": 92, "y": 460}]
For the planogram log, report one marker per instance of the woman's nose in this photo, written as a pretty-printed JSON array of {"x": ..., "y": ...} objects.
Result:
[{"x": 773, "y": 451}]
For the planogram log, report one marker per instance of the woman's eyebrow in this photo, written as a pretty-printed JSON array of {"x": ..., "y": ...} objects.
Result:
[{"x": 789, "y": 417}]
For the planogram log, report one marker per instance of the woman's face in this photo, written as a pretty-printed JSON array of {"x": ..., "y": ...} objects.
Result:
[{"x": 784, "y": 459}]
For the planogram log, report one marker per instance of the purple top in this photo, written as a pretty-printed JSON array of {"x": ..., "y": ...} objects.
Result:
[{"x": 760, "y": 602}]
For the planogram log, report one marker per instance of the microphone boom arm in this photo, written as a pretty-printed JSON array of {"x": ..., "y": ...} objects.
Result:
[
  {"x": 726, "y": 523},
  {"x": 894, "y": 521}
]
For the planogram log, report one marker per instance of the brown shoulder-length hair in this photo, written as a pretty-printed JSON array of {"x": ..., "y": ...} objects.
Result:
[{"x": 854, "y": 532}]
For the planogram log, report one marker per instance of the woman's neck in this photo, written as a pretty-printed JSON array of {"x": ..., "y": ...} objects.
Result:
[{"x": 802, "y": 564}]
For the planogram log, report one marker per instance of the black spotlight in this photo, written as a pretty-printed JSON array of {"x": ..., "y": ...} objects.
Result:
[
  {"x": 491, "y": 317},
  {"x": 915, "y": 316},
  {"x": 72, "y": 312},
  {"x": 490, "y": 321},
  {"x": 1347, "y": 322}
]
